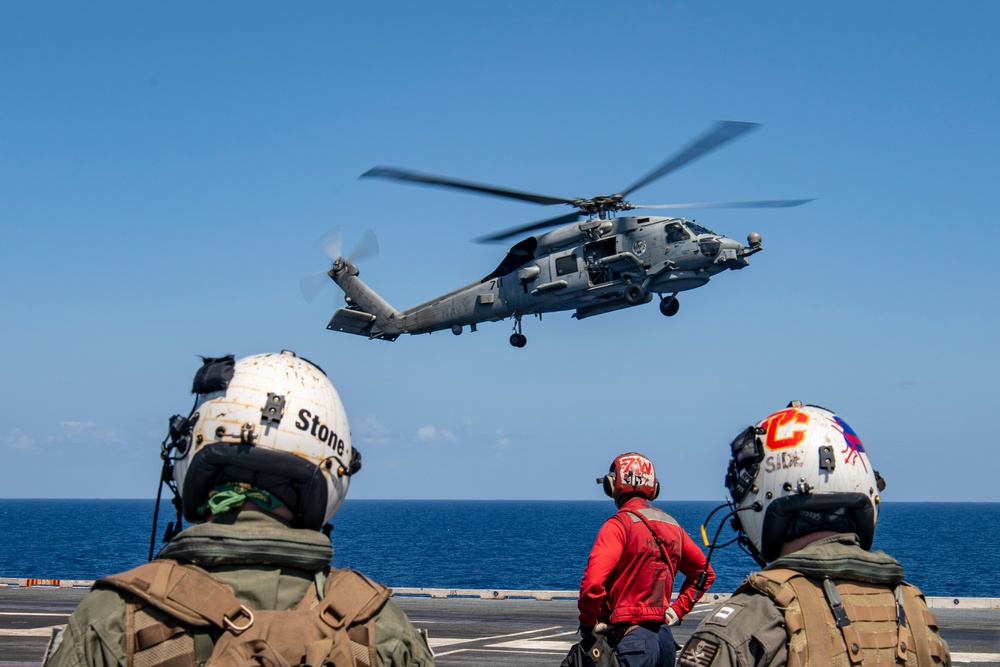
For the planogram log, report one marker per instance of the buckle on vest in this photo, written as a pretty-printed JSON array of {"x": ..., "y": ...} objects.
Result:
[
  {"x": 833, "y": 597},
  {"x": 332, "y": 616},
  {"x": 237, "y": 629}
]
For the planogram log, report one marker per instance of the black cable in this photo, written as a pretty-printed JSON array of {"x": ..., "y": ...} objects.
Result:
[
  {"x": 178, "y": 432},
  {"x": 156, "y": 514},
  {"x": 703, "y": 577}
]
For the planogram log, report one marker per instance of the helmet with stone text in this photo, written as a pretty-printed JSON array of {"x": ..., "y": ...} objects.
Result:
[{"x": 274, "y": 421}]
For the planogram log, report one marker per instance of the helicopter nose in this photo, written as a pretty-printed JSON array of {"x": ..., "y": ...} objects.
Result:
[{"x": 732, "y": 254}]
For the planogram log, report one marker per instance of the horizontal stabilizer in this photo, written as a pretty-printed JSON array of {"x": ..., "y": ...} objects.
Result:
[{"x": 352, "y": 322}]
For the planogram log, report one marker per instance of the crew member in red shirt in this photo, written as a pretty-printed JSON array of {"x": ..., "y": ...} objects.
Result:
[{"x": 630, "y": 572}]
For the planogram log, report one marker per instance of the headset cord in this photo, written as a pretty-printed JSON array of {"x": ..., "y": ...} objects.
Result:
[{"x": 700, "y": 584}]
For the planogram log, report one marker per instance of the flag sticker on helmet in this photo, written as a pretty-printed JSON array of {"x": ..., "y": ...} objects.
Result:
[
  {"x": 780, "y": 429},
  {"x": 311, "y": 423},
  {"x": 852, "y": 443}
]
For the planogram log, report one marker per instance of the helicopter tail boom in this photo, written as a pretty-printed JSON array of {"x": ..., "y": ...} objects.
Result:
[{"x": 367, "y": 314}]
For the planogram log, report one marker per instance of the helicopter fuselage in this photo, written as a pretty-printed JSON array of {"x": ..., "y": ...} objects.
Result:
[{"x": 593, "y": 267}]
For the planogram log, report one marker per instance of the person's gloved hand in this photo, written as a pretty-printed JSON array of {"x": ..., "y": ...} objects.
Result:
[
  {"x": 588, "y": 637},
  {"x": 670, "y": 617}
]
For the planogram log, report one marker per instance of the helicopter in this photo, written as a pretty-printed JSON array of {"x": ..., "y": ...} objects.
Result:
[{"x": 596, "y": 261}]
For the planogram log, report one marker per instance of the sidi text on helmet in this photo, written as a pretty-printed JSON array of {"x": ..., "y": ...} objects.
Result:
[{"x": 783, "y": 461}]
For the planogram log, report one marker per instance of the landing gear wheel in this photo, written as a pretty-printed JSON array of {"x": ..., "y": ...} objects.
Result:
[
  {"x": 518, "y": 340},
  {"x": 635, "y": 294},
  {"x": 669, "y": 306}
]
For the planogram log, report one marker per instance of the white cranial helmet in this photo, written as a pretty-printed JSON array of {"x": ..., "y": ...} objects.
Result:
[
  {"x": 801, "y": 470},
  {"x": 273, "y": 421}
]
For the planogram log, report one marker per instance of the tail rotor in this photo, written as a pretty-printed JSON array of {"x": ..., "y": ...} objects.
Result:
[{"x": 331, "y": 245}]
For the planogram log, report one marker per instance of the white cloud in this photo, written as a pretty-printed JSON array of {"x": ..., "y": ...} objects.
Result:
[
  {"x": 111, "y": 436},
  {"x": 371, "y": 432},
  {"x": 503, "y": 442},
  {"x": 433, "y": 434},
  {"x": 22, "y": 443},
  {"x": 78, "y": 431}
]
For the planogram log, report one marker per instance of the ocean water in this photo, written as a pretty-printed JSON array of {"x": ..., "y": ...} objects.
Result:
[{"x": 947, "y": 549}]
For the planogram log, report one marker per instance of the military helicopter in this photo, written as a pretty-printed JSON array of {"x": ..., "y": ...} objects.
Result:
[{"x": 605, "y": 263}]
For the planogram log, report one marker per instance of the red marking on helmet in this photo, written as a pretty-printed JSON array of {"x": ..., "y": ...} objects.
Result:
[
  {"x": 635, "y": 470},
  {"x": 786, "y": 417}
]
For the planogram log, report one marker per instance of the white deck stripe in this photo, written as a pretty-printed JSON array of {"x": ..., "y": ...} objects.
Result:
[
  {"x": 452, "y": 642},
  {"x": 29, "y": 632},
  {"x": 34, "y": 613},
  {"x": 532, "y": 645},
  {"x": 527, "y": 645},
  {"x": 975, "y": 657}
]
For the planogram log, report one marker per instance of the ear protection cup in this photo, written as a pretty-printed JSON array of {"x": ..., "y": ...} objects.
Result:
[
  {"x": 609, "y": 485},
  {"x": 656, "y": 490}
]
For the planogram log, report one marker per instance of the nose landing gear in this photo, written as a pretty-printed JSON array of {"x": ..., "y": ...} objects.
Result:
[{"x": 669, "y": 305}]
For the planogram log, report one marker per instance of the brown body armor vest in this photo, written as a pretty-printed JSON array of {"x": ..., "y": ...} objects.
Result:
[
  {"x": 851, "y": 623},
  {"x": 168, "y": 600}
]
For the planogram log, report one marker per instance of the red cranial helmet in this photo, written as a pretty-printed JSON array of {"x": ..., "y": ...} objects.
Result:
[{"x": 631, "y": 473}]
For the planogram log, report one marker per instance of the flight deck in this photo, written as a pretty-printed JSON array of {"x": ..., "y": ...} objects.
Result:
[{"x": 473, "y": 627}]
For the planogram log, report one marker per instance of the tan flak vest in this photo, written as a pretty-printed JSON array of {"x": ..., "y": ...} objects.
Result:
[
  {"x": 851, "y": 623},
  {"x": 171, "y": 599}
]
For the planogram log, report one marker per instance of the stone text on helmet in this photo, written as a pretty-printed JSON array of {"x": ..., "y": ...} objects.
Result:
[{"x": 311, "y": 423}]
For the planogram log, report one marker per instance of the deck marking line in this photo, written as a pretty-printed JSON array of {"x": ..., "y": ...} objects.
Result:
[
  {"x": 447, "y": 641},
  {"x": 29, "y": 632},
  {"x": 440, "y": 641},
  {"x": 535, "y": 645},
  {"x": 33, "y": 613},
  {"x": 975, "y": 657}
]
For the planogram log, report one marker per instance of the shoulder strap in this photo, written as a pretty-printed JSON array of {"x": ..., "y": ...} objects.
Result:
[
  {"x": 808, "y": 614},
  {"x": 154, "y": 639},
  {"x": 350, "y": 597},
  {"x": 351, "y": 600},
  {"x": 186, "y": 592},
  {"x": 772, "y": 584},
  {"x": 656, "y": 538},
  {"x": 922, "y": 626}
]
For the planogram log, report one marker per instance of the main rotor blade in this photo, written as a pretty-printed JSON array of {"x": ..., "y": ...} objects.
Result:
[
  {"x": 542, "y": 224},
  {"x": 330, "y": 244},
  {"x": 767, "y": 203},
  {"x": 428, "y": 179},
  {"x": 723, "y": 132},
  {"x": 312, "y": 284}
]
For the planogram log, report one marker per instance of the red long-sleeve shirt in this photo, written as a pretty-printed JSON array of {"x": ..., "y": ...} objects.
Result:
[{"x": 626, "y": 580}]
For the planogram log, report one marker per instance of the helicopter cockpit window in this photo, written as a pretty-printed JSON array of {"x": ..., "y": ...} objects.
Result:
[
  {"x": 699, "y": 230},
  {"x": 676, "y": 233},
  {"x": 565, "y": 265}
]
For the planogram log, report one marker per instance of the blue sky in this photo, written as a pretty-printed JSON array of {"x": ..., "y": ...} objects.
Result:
[{"x": 166, "y": 168}]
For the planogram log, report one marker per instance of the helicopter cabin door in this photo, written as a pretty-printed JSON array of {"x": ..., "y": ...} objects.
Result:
[{"x": 567, "y": 271}]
